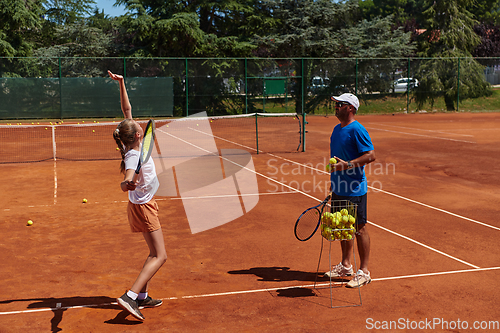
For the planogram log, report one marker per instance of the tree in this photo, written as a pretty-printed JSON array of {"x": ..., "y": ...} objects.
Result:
[
  {"x": 449, "y": 36},
  {"x": 402, "y": 10},
  {"x": 67, "y": 11},
  {"x": 486, "y": 11},
  {"x": 77, "y": 42},
  {"x": 193, "y": 28},
  {"x": 18, "y": 20},
  {"x": 490, "y": 41},
  {"x": 326, "y": 29},
  {"x": 305, "y": 28}
]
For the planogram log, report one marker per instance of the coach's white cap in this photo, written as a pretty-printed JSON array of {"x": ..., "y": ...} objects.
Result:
[{"x": 349, "y": 98}]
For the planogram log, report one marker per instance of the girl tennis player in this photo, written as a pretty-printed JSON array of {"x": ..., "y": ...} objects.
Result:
[{"x": 142, "y": 208}]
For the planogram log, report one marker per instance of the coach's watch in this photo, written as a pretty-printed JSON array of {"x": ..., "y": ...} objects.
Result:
[{"x": 349, "y": 165}]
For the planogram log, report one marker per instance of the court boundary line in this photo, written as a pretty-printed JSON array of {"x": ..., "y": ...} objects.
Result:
[
  {"x": 375, "y": 190},
  {"x": 160, "y": 198},
  {"x": 422, "y": 135},
  {"x": 252, "y": 291},
  {"x": 435, "y": 208},
  {"x": 425, "y": 130},
  {"x": 476, "y": 268},
  {"x": 425, "y": 246}
]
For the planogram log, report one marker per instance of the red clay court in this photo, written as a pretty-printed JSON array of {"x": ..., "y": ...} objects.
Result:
[{"x": 433, "y": 223}]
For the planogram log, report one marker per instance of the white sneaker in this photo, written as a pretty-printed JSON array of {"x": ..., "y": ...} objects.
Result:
[
  {"x": 339, "y": 271},
  {"x": 360, "y": 279}
]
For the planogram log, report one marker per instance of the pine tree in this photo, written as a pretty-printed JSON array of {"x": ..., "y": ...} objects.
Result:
[{"x": 449, "y": 40}]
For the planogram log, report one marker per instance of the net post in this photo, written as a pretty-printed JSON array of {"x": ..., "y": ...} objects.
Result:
[
  {"x": 246, "y": 86},
  {"x": 458, "y": 83},
  {"x": 187, "y": 92},
  {"x": 256, "y": 132},
  {"x": 60, "y": 90},
  {"x": 54, "y": 147}
]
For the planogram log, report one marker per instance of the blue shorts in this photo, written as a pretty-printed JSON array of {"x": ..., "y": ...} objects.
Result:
[{"x": 358, "y": 200}]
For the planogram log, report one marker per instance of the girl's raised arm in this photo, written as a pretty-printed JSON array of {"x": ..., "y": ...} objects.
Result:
[{"x": 125, "y": 103}]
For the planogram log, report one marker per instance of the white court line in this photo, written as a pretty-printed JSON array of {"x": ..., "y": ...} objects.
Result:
[
  {"x": 267, "y": 290},
  {"x": 241, "y": 166},
  {"x": 422, "y": 135},
  {"x": 301, "y": 192},
  {"x": 233, "y": 195},
  {"x": 435, "y": 208},
  {"x": 425, "y": 130},
  {"x": 426, "y": 246},
  {"x": 252, "y": 291},
  {"x": 54, "y": 149},
  {"x": 400, "y": 197}
]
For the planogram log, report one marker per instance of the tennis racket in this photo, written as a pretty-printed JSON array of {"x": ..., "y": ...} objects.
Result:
[
  {"x": 147, "y": 147},
  {"x": 308, "y": 222}
]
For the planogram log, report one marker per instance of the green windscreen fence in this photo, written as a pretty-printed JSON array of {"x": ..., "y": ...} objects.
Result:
[
  {"x": 65, "y": 98},
  {"x": 275, "y": 87}
]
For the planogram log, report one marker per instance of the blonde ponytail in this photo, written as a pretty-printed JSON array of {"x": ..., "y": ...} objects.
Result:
[{"x": 124, "y": 135}]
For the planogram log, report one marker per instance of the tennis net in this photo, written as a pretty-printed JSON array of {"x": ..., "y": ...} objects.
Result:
[{"x": 257, "y": 133}]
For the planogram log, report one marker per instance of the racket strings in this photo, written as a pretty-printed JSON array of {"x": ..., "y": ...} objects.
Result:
[
  {"x": 307, "y": 223},
  {"x": 147, "y": 141}
]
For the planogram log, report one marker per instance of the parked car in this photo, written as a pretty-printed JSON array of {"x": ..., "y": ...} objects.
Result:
[
  {"x": 318, "y": 83},
  {"x": 402, "y": 84}
]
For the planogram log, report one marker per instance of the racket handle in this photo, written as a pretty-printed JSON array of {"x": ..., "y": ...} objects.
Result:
[{"x": 136, "y": 174}]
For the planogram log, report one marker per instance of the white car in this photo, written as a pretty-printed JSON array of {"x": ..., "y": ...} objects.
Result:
[{"x": 402, "y": 84}]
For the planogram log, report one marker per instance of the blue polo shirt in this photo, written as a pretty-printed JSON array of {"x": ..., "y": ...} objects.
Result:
[{"x": 349, "y": 143}]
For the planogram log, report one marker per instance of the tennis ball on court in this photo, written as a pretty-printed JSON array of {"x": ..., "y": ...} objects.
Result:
[
  {"x": 93, "y": 131},
  {"x": 84, "y": 200},
  {"x": 333, "y": 160},
  {"x": 29, "y": 222}
]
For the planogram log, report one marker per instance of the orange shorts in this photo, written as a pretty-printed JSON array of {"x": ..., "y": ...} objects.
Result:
[{"x": 143, "y": 218}]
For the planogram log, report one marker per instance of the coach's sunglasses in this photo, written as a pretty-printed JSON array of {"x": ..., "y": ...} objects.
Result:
[{"x": 341, "y": 104}]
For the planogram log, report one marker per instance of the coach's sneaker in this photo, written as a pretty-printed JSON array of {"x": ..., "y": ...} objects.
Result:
[
  {"x": 149, "y": 302},
  {"x": 360, "y": 279},
  {"x": 130, "y": 305},
  {"x": 339, "y": 271}
]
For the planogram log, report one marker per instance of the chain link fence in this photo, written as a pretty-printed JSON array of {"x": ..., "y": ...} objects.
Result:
[{"x": 65, "y": 88}]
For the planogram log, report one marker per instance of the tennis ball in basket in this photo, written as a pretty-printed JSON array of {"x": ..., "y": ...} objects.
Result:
[
  {"x": 344, "y": 212},
  {"x": 29, "y": 222},
  {"x": 84, "y": 200},
  {"x": 345, "y": 219},
  {"x": 333, "y": 160},
  {"x": 352, "y": 219}
]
